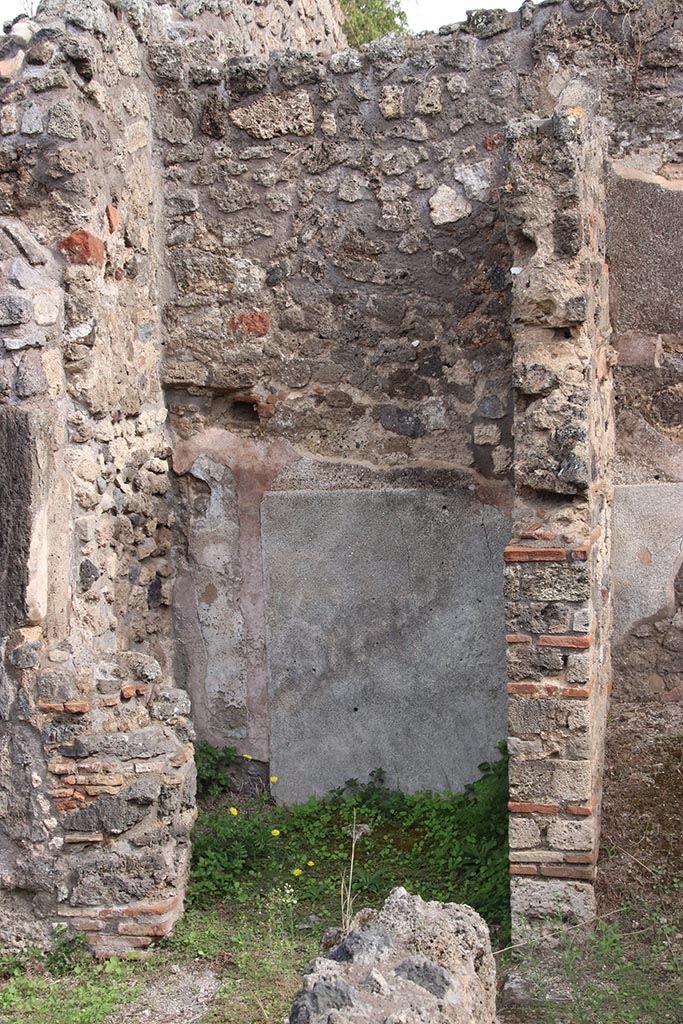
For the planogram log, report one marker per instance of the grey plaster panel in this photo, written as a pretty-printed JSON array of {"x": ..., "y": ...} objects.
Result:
[
  {"x": 645, "y": 255},
  {"x": 385, "y": 637},
  {"x": 647, "y": 545}
]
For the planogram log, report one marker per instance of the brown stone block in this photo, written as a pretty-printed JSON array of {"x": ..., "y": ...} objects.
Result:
[
  {"x": 112, "y": 218},
  {"x": 47, "y": 707},
  {"x": 182, "y": 757},
  {"x": 637, "y": 349},
  {"x": 584, "y": 874},
  {"x": 108, "y": 702}
]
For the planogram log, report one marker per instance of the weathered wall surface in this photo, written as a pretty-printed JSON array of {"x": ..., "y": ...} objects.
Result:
[
  {"x": 239, "y": 286},
  {"x": 557, "y": 572},
  {"x": 337, "y": 303},
  {"x": 646, "y": 214},
  {"x": 384, "y": 618},
  {"x": 97, "y": 783}
]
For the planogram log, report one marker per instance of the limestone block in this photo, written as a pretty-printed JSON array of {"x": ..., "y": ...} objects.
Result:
[
  {"x": 271, "y": 116},
  {"x": 447, "y": 206},
  {"x": 413, "y": 960},
  {"x": 647, "y": 549}
]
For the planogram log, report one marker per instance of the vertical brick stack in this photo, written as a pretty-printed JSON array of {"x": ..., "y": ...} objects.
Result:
[{"x": 556, "y": 587}]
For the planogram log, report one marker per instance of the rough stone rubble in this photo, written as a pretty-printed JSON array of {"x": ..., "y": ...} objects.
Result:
[{"x": 408, "y": 962}]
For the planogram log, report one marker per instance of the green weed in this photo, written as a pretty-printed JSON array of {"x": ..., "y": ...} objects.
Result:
[{"x": 445, "y": 846}]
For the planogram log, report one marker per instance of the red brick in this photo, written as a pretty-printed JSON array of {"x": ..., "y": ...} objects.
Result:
[
  {"x": 256, "y": 323},
  {"x": 67, "y": 805},
  {"x": 523, "y": 869},
  {"x": 529, "y": 689},
  {"x": 580, "y": 810},
  {"x": 83, "y": 247},
  {"x": 157, "y": 929},
  {"x": 576, "y": 692},
  {"x": 127, "y": 692},
  {"x": 581, "y": 858},
  {"x": 583, "y": 874},
  {"x": 112, "y": 218},
  {"x": 518, "y": 638},
  {"x": 77, "y": 707},
  {"x": 158, "y": 908},
  {"x": 46, "y": 706},
  {"x": 575, "y": 642},
  {"x": 526, "y": 808},
  {"x": 521, "y": 553}
]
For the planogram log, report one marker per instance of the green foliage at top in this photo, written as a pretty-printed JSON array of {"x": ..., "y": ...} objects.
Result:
[
  {"x": 365, "y": 20},
  {"x": 445, "y": 846}
]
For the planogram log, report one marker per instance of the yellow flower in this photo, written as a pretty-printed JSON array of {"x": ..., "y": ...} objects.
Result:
[
  {"x": 247, "y": 757},
  {"x": 296, "y": 872},
  {"x": 508, "y": 186},
  {"x": 310, "y": 863},
  {"x": 273, "y": 778},
  {"x": 275, "y": 832},
  {"x": 233, "y": 811}
]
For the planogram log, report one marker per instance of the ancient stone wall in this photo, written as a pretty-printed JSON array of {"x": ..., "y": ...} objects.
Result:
[
  {"x": 305, "y": 357},
  {"x": 97, "y": 786},
  {"x": 337, "y": 350},
  {"x": 646, "y": 207}
]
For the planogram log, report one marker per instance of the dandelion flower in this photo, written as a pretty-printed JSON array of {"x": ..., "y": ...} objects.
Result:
[
  {"x": 247, "y": 757},
  {"x": 310, "y": 863},
  {"x": 296, "y": 872},
  {"x": 273, "y": 778},
  {"x": 275, "y": 832},
  {"x": 233, "y": 811}
]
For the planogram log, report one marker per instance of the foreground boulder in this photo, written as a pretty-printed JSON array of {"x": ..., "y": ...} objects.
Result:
[{"x": 409, "y": 963}]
